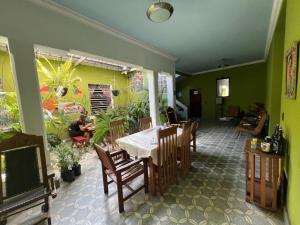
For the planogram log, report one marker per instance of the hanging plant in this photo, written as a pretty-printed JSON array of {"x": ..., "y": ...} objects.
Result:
[
  {"x": 58, "y": 79},
  {"x": 115, "y": 92}
]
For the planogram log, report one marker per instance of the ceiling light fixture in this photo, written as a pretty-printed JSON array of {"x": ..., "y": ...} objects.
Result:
[{"x": 160, "y": 11}]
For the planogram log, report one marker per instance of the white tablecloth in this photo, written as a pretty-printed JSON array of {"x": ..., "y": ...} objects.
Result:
[{"x": 144, "y": 143}]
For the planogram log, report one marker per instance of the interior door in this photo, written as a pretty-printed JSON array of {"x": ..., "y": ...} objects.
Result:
[{"x": 195, "y": 103}]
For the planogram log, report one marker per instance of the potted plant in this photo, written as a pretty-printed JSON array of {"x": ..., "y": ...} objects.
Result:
[
  {"x": 58, "y": 79},
  {"x": 65, "y": 161},
  {"x": 76, "y": 156}
]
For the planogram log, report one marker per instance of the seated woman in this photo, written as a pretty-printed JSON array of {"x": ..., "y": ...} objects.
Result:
[{"x": 80, "y": 128}]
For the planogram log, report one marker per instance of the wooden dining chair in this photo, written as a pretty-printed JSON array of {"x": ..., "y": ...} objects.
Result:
[
  {"x": 183, "y": 151},
  {"x": 172, "y": 117},
  {"x": 116, "y": 130},
  {"x": 145, "y": 123},
  {"x": 122, "y": 172},
  {"x": 194, "y": 128},
  {"x": 167, "y": 158},
  {"x": 24, "y": 181}
]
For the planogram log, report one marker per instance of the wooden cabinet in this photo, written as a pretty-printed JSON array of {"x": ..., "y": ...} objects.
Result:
[{"x": 263, "y": 177}]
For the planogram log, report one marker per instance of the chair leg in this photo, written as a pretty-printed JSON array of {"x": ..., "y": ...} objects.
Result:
[
  {"x": 105, "y": 183},
  {"x": 146, "y": 176},
  {"x": 49, "y": 221},
  {"x": 120, "y": 197},
  {"x": 194, "y": 143}
]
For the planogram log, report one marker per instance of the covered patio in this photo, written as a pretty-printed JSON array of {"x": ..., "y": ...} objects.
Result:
[{"x": 212, "y": 193}]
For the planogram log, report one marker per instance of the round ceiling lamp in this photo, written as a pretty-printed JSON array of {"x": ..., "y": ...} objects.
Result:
[{"x": 160, "y": 11}]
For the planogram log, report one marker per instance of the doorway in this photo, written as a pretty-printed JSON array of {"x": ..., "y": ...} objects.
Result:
[{"x": 195, "y": 103}]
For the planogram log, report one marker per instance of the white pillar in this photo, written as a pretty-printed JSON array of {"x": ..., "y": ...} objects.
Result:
[
  {"x": 153, "y": 97},
  {"x": 170, "y": 90},
  {"x": 27, "y": 87}
]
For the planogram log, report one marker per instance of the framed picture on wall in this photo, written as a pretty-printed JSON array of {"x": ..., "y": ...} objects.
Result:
[{"x": 292, "y": 71}]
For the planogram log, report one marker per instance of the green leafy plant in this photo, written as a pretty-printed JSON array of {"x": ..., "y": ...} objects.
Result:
[
  {"x": 162, "y": 104},
  {"x": 76, "y": 156},
  {"x": 60, "y": 76},
  {"x": 9, "y": 102},
  {"x": 53, "y": 139},
  {"x": 136, "y": 111},
  {"x": 103, "y": 118},
  {"x": 65, "y": 156}
]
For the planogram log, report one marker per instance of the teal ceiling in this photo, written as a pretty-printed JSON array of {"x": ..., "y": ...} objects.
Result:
[{"x": 199, "y": 34}]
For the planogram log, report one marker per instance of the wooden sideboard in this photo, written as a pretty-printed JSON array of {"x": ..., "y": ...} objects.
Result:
[{"x": 263, "y": 177}]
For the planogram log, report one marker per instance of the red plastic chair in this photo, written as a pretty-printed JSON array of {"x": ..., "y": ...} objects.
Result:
[{"x": 79, "y": 141}]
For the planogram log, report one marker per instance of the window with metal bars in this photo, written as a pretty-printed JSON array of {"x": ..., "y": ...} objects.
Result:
[{"x": 100, "y": 97}]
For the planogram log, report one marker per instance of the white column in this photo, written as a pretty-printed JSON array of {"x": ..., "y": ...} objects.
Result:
[
  {"x": 170, "y": 90},
  {"x": 27, "y": 87},
  {"x": 153, "y": 97}
]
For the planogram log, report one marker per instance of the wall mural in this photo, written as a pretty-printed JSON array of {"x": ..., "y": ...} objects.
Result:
[{"x": 136, "y": 82}]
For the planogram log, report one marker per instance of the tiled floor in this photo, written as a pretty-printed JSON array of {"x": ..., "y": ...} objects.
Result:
[{"x": 213, "y": 193}]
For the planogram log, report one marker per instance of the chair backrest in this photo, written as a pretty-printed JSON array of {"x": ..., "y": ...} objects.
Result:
[
  {"x": 23, "y": 162},
  {"x": 258, "y": 129},
  {"x": 167, "y": 157},
  {"x": 145, "y": 123},
  {"x": 116, "y": 130},
  {"x": 185, "y": 153},
  {"x": 171, "y": 115},
  {"x": 233, "y": 111},
  {"x": 105, "y": 158}
]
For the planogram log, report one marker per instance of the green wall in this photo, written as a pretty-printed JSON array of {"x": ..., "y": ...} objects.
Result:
[
  {"x": 274, "y": 72},
  {"x": 291, "y": 122},
  {"x": 243, "y": 81},
  {"x": 95, "y": 75},
  {"x": 5, "y": 72}
]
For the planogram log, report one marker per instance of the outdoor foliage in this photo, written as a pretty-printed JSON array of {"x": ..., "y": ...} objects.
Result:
[
  {"x": 61, "y": 76},
  {"x": 58, "y": 78},
  {"x": 10, "y": 104},
  {"x": 134, "y": 112},
  {"x": 67, "y": 156},
  {"x": 130, "y": 114},
  {"x": 103, "y": 118}
]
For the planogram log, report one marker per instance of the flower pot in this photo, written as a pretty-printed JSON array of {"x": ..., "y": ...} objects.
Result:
[
  {"x": 77, "y": 170},
  {"x": 67, "y": 175},
  {"x": 115, "y": 92},
  {"x": 61, "y": 91}
]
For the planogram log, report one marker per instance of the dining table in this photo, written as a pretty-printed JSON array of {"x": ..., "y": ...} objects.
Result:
[{"x": 144, "y": 144}]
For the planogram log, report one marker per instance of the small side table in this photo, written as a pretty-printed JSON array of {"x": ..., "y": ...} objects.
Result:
[{"x": 263, "y": 177}]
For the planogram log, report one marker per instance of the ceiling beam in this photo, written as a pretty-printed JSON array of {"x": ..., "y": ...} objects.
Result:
[{"x": 276, "y": 8}]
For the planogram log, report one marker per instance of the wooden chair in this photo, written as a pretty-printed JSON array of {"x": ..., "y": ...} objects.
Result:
[
  {"x": 24, "y": 180},
  {"x": 194, "y": 128},
  {"x": 167, "y": 158},
  {"x": 256, "y": 131},
  {"x": 172, "y": 118},
  {"x": 183, "y": 151},
  {"x": 145, "y": 123},
  {"x": 122, "y": 172},
  {"x": 116, "y": 130},
  {"x": 233, "y": 111}
]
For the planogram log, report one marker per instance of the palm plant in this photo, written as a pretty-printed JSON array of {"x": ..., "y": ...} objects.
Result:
[
  {"x": 136, "y": 111},
  {"x": 103, "y": 119},
  {"x": 57, "y": 78}
]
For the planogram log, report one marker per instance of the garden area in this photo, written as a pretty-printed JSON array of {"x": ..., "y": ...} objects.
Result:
[{"x": 68, "y": 89}]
